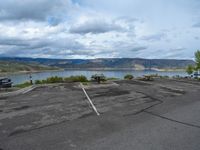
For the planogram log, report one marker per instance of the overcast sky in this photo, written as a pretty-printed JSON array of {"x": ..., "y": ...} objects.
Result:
[{"x": 100, "y": 28}]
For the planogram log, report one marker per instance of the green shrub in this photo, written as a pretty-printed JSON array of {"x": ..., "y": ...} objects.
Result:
[
  {"x": 38, "y": 82},
  {"x": 80, "y": 78},
  {"x": 128, "y": 77},
  {"x": 57, "y": 79},
  {"x": 54, "y": 79}
]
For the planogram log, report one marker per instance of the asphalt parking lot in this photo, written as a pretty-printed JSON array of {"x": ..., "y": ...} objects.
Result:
[{"x": 162, "y": 114}]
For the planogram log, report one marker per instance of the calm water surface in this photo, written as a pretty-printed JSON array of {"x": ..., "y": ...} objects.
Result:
[{"x": 21, "y": 78}]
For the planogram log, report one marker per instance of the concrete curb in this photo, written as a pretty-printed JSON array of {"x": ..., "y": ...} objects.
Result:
[
  {"x": 21, "y": 91},
  {"x": 26, "y": 90},
  {"x": 94, "y": 86}
]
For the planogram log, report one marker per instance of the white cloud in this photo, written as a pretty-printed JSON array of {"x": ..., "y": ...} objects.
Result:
[{"x": 91, "y": 28}]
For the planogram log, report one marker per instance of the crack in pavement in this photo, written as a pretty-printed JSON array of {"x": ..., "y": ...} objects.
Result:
[
  {"x": 143, "y": 110},
  {"x": 44, "y": 126},
  {"x": 162, "y": 117},
  {"x": 173, "y": 120}
]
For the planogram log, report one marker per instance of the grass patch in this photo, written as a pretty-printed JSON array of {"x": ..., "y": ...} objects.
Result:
[
  {"x": 85, "y": 83},
  {"x": 23, "y": 85},
  {"x": 112, "y": 78}
]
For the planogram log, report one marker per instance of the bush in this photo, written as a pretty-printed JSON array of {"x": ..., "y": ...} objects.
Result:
[
  {"x": 38, "y": 82},
  {"x": 128, "y": 77},
  {"x": 55, "y": 79},
  {"x": 80, "y": 78}
]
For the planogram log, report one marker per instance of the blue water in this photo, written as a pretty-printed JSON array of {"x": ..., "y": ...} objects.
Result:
[{"x": 21, "y": 78}]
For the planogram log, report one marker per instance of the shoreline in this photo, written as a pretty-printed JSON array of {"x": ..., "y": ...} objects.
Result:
[
  {"x": 91, "y": 69},
  {"x": 125, "y": 69}
]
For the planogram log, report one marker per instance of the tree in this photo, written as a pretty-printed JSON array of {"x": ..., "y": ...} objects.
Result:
[
  {"x": 197, "y": 59},
  {"x": 189, "y": 69}
]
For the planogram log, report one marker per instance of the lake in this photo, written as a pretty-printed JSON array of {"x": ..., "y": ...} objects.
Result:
[{"x": 21, "y": 78}]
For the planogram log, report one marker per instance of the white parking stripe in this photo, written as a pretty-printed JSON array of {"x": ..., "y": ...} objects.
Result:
[{"x": 94, "y": 108}]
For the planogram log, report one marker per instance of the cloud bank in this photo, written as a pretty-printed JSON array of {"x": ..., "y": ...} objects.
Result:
[{"x": 94, "y": 29}]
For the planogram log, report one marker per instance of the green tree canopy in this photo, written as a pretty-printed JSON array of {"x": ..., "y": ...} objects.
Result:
[
  {"x": 197, "y": 59},
  {"x": 189, "y": 69}
]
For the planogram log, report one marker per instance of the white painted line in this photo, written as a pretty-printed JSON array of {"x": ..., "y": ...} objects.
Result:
[
  {"x": 28, "y": 90},
  {"x": 89, "y": 99}
]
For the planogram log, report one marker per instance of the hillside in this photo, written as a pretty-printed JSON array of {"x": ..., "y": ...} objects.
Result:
[
  {"x": 107, "y": 63},
  {"x": 15, "y": 66}
]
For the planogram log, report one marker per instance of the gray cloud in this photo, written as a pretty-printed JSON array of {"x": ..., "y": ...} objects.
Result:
[
  {"x": 38, "y": 10},
  {"x": 95, "y": 27},
  {"x": 139, "y": 48},
  {"x": 40, "y": 47},
  {"x": 177, "y": 49},
  {"x": 58, "y": 28},
  {"x": 13, "y": 42},
  {"x": 154, "y": 37},
  {"x": 196, "y": 25}
]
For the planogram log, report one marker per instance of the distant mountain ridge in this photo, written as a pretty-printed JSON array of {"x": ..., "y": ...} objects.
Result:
[
  {"x": 8, "y": 66},
  {"x": 107, "y": 63}
]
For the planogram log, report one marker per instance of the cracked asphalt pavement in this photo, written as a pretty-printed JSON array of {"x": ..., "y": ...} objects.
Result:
[{"x": 160, "y": 115}]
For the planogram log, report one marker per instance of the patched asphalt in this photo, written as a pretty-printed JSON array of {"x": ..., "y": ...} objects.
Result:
[{"x": 162, "y": 114}]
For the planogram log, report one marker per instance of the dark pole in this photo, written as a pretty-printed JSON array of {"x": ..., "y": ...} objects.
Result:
[
  {"x": 98, "y": 79},
  {"x": 31, "y": 81}
]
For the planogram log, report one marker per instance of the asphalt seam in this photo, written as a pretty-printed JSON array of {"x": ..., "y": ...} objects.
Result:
[
  {"x": 173, "y": 120},
  {"x": 166, "y": 118},
  {"x": 142, "y": 110},
  {"x": 17, "y": 132}
]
